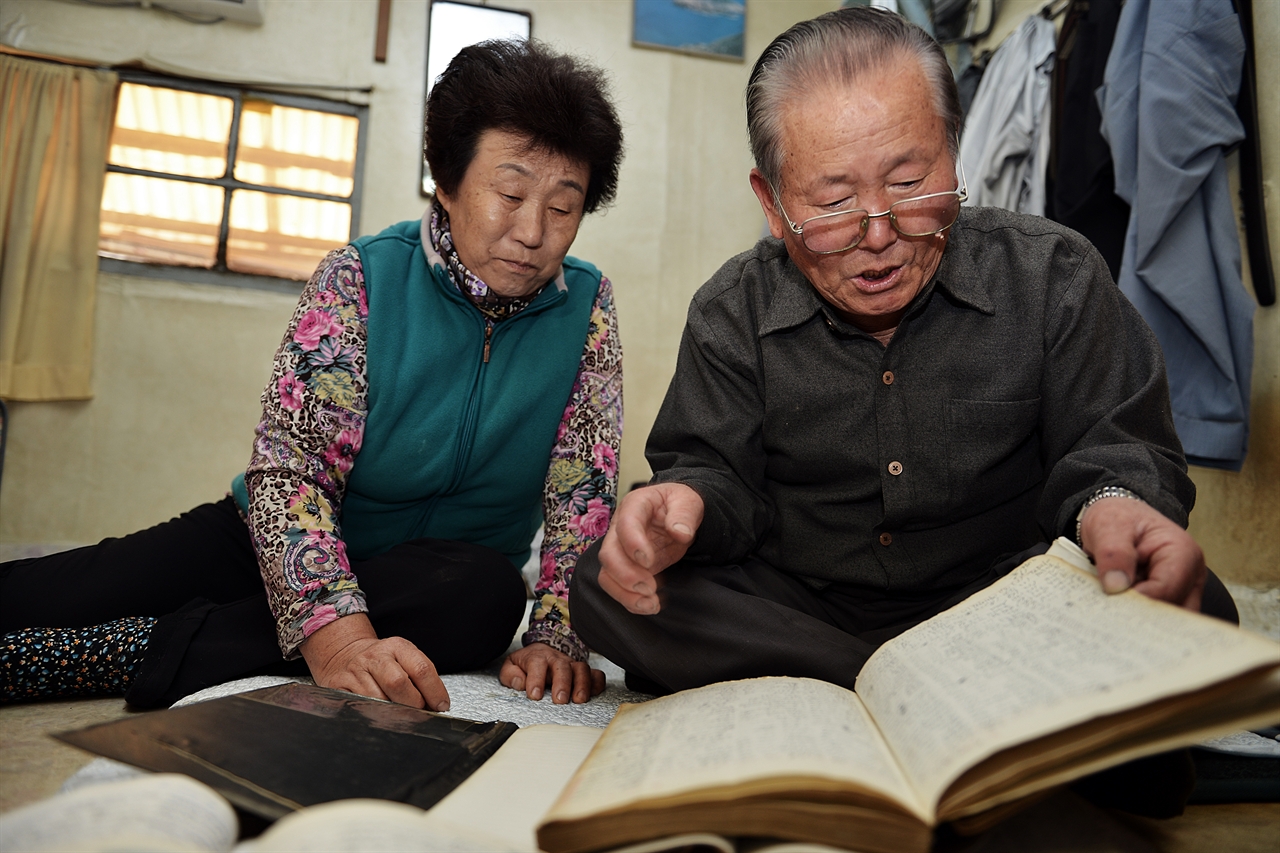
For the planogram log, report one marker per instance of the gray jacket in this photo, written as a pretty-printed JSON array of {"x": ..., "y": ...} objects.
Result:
[{"x": 1019, "y": 382}]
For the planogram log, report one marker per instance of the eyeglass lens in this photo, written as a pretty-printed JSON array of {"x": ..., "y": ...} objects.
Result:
[{"x": 916, "y": 217}]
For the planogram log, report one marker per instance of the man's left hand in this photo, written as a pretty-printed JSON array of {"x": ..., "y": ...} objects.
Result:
[
  {"x": 1133, "y": 545},
  {"x": 537, "y": 665}
]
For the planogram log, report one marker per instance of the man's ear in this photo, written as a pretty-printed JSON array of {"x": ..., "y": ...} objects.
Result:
[{"x": 767, "y": 203}]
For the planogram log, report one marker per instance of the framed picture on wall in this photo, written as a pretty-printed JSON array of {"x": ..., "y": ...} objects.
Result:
[
  {"x": 453, "y": 25},
  {"x": 713, "y": 28}
]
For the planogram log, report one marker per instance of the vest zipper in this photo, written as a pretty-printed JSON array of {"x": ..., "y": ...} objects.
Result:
[{"x": 472, "y": 414}]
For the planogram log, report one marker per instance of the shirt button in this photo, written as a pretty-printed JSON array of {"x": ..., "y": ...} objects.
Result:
[
  {"x": 895, "y": 468},
  {"x": 888, "y": 377},
  {"x": 886, "y": 539}
]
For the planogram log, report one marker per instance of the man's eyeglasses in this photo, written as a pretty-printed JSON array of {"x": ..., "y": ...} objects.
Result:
[{"x": 922, "y": 216}]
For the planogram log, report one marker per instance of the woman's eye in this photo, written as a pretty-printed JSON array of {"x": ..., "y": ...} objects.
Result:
[{"x": 512, "y": 198}]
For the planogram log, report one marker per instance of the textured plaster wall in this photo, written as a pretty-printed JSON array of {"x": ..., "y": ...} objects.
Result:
[
  {"x": 177, "y": 373},
  {"x": 179, "y": 367}
]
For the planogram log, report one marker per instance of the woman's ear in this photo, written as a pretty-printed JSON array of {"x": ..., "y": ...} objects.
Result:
[{"x": 443, "y": 197}]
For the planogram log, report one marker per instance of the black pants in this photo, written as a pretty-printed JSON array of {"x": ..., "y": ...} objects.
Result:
[{"x": 459, "y": 603}]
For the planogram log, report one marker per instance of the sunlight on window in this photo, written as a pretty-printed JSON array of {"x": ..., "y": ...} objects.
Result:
[
  {"x": 296, "y": 149},
  {"x": 181, "y": 215},
  {"x": 283, "y": 235},
  {"x": 158, "y": 221},
  {"x": 167, "y": 130}
]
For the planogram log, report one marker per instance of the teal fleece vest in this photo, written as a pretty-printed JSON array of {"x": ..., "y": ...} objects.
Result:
[{"x": 457, "y": 447}]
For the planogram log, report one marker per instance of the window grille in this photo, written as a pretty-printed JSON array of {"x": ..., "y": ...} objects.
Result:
[{"x": 207, "y": 176}]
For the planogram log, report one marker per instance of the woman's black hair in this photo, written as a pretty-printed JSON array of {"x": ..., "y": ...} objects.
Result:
[{"x": 559, "y": 103}]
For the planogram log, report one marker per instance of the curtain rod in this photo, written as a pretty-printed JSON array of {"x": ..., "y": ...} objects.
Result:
[{"x": 136, "y": 65}]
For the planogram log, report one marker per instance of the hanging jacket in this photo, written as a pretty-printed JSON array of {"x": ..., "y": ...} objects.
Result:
[
  {"x": 1168, "y": 113},
  {"x": 1083, "y": 183},
  {"x": 1005, "y": 144}
]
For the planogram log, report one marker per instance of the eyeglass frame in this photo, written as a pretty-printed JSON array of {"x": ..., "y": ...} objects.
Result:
[{"x": 961, "y": 193}]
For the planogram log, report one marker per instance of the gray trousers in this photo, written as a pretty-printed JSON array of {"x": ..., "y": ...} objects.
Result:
[{"x": 719, "y": 623}]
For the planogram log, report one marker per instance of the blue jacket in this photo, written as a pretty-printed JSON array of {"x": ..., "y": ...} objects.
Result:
[{"x": 1168, "y": 113}]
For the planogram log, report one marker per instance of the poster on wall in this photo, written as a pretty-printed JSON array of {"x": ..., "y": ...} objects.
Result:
[{"x": 711, "y": 28}]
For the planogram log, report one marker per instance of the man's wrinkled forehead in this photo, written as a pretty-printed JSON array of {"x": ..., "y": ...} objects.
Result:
[
  {"x": 919, "y": 153},
  {"x": 883, "y": 100}
]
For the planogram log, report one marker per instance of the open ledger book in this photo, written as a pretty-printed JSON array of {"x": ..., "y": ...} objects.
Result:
[
  {"x": 1035, "y": 681},
  {"x": 1038, "y": 680}
]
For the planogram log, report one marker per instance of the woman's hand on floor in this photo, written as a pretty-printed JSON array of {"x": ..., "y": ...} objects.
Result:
[
  {"x": 535, "y": 666},
  {"x": 348, "y": 655}
]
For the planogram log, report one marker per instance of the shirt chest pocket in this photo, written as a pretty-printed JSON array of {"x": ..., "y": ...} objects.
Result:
[{"x": 993, "y": 449}]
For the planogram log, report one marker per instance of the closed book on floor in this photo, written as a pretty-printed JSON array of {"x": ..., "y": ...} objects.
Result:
[{"x": 276, "y": 750}]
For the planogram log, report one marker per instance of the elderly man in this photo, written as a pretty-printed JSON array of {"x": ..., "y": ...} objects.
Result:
[{"x": 888, "y": 406}]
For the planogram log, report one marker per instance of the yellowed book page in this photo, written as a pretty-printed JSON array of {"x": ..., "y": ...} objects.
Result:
[
  {"x": 731, "y": 733},
  {"x": 1256, "y": 704},
  {"x": 1071, "y": 554},
  {"x": 367, "y": 826},
  {"x": 161, "y": 812},
  {"x": 511, "y": 791},
  {"x": 1042, "y": 649}
]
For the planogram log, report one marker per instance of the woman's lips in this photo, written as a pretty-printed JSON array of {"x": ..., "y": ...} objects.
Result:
[{"x": 519, "y": 266}]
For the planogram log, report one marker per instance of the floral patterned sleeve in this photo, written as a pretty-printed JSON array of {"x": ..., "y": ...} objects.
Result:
[
  {"x": 313, "y": 416},
  {"x": 582, "y": 479}
]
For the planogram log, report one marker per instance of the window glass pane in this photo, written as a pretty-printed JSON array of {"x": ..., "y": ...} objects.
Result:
[
  {"x": 453, "y": 26},
  {"x": 163, "y": 222},
  {"x": 298, "y": 149},
  {"x": 168, "y": 130},
  {"x": 283, "y": 235}
]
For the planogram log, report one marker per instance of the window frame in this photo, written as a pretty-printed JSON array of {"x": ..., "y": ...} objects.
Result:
[{"x": 219, "y": 273}]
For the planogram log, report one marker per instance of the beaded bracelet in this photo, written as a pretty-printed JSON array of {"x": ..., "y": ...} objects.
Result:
[{"x": 1104, "y": 492}]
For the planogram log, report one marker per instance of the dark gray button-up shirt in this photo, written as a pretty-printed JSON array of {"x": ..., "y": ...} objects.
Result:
[{"x": 1019, "y": 382}]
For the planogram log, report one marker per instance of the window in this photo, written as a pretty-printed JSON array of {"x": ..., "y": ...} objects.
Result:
[
  {"x": 218, "y": 178},
  {"x": 453, "y": 25}
]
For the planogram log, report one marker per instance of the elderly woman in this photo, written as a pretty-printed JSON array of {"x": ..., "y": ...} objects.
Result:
[{"x": 443, "y": 388}]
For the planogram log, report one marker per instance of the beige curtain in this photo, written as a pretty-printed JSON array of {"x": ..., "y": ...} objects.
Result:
[{"x": 55, "y": 125}]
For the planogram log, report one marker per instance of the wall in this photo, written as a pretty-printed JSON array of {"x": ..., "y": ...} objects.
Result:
[
  {"x": 179, "y": 367},
  {"x": 177, "y": 373}
]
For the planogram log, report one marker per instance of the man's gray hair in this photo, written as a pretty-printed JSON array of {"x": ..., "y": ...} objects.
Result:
[{"x": 839, "y": 47}]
